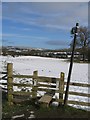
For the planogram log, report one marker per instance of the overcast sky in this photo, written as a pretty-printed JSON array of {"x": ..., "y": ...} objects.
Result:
[{"x": 41, "y": 25}]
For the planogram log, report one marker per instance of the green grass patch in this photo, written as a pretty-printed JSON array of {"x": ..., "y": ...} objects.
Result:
[{"x": 40, "y": 111}]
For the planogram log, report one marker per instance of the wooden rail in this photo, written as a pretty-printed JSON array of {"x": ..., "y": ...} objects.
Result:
[
  {"x": 23, "y": 76},
  {"x": 5, "y": 75},
  {"x": 75, "y": 102},
  {"x": 3, "y": 72},
  {"x": 22, "y": 93},
  {"x": 79, "y": 94},
  {"x": 78, "y": 84},
  {"x": 22, "y": 85},
  {"x": 39, "y": 84}
]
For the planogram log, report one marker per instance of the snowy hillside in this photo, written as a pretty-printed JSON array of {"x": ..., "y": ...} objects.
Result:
[{"x": 49, "y": 67}]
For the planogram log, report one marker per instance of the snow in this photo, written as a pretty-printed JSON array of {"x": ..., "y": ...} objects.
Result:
[
  {"x": 18, "y": 116},
  {"x": 51, "y": 67}
]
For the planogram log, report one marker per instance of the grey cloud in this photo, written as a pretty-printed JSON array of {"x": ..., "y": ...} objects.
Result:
[
  {"x": 24, "y": 36},
  {"x": 4, "y": 41},
  {"x": 21, "y": 28},
  {"x": 57, "y": 42}
]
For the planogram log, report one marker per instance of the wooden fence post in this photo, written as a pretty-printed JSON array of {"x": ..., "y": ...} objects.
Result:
[
  {"x": 61, "y": 87},
  {"x": 9, "y": 83},
  {"x": 57, "y": 87},
  {"x": 34, "y": 88}
]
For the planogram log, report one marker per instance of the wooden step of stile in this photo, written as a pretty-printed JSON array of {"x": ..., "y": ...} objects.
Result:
[{"x": 45, "y": 100}]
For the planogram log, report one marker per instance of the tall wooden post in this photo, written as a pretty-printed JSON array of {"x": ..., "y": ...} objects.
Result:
[
  {"x": 9, "y": 83},
  {"x": 71, "y": 65},
  {"x": 61, "y": 87},
  {"x": 34, "y": 88}
]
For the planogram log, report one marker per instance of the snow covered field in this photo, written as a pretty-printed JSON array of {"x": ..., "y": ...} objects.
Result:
[{"x": 49, "y": 67}]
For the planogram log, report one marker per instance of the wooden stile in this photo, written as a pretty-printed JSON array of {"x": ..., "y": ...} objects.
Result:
[{"x": 51, "y": 84}]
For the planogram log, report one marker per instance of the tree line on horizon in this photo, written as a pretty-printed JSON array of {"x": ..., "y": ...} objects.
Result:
[{"x": 82, "y": 46}]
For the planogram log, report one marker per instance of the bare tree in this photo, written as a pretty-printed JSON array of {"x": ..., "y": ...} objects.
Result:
[{"x": 82, "y": 41}]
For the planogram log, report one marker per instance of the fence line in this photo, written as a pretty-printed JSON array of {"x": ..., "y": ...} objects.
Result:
[{"x": 58, "y": 86}]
